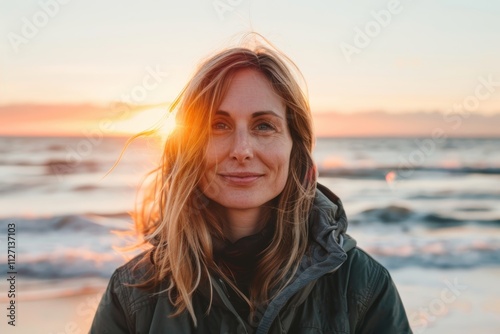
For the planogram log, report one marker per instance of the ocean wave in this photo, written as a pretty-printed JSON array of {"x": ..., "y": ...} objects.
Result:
[
  {"x": 85, "y": 187},
  {"x": 394, "y": 214},
  {"x": 69, "y": 246},
  {"x": 10, "y": 188},
  {"x": 93, "y": 224},
  {"x": 473, "y": 258},
  {"x": 61, "y": 166},
  {"x": 381, "y": 172},
  {"x": 56, "y": 166},
  {"x": 82, "y": 246},
  {"x": 457, "y": 196},
  {"x": 460, "y": 247},
  {"x": 68, "y": 263}
]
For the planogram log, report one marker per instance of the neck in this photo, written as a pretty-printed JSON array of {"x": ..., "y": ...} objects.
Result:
[{"x": 242, "y": 223}]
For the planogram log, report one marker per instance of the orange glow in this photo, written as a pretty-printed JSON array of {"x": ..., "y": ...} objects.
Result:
[
  {"x": 82, "y": 119},
  {"x": 158, "y": 119},
  {"x": 390, "y": 177},
  {"x": 332, "y": 162}
]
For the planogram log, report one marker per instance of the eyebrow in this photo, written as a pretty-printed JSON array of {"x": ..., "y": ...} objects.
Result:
[{"x": 255, "y": 114}]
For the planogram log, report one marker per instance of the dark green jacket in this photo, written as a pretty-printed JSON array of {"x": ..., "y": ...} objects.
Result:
[{"x": 337, "y": 289}]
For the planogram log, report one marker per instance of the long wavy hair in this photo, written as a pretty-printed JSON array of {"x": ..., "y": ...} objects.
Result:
[{"x": 178, "y": 220}]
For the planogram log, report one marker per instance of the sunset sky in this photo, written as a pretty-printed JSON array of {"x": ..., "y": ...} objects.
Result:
[{"x": 63, "y": 63}]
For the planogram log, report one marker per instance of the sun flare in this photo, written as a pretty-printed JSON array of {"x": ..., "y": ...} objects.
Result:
[{"x": 158, "y": 119}]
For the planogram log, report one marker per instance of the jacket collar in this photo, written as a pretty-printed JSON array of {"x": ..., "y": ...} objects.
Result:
[{"x": 327, "y": 227}]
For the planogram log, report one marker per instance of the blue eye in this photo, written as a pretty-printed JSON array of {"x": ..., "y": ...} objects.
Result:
[{"x": 264, "y": 126}]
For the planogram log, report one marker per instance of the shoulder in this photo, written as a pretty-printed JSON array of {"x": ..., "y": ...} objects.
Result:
[
  {"x": 371, "y": 291},
  {"x": 123, "y": 282},
  {"x": 365, "y": 277},
  {"x": 361, "y": 263},
  {"x": 135, "y": 271},
  {"x": 360, "y": 279},
  {"x": 121, "y": 300}
]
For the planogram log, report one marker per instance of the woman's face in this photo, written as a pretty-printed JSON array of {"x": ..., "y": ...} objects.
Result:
[{"x": 248, "y": 152}]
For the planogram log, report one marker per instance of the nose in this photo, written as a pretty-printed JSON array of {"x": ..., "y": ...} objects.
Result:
[{"x": 242, "y": 148}]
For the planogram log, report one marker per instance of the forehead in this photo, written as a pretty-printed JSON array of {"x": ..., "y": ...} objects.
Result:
[{"x": 250, "y": 91}]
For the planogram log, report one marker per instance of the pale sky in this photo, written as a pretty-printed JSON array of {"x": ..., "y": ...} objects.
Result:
[{"x": 427, "y": 56}]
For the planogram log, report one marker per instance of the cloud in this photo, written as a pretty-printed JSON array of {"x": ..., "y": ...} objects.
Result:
[
  {"x": 74, "y": 119},
  {"x": 416, "y": 124},
  {"x": 59, "y": 119}
]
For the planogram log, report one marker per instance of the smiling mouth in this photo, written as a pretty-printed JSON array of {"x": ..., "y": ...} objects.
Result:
[{"x": 241, "y": 178}]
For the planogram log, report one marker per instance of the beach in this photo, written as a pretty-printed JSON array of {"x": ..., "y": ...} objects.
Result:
[
  {"x": 55, "y": 314},
  {"x": 472, "y": 305},
  {"x": 434, "y": 225},
  {"x": 454, "y": 301}
]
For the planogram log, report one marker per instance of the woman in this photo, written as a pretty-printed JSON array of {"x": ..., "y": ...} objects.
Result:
[{"x": 244, "y": 240}]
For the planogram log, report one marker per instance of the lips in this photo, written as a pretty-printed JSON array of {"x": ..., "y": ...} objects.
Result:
[{"x": 241, "y": 178}]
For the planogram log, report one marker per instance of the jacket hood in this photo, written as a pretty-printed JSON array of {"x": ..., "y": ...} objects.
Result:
[
  {"x": 334, "y": 218},
  {"x": 326, "y": 253}
]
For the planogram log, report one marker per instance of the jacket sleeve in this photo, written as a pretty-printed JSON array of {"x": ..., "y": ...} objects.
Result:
[
  {"x": 111, "y": 316},
  {"x": 384, "y": 311}
]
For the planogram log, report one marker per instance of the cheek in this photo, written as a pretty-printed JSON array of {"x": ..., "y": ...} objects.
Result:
[
  {"x": 208, "y": 184},
  {"x": 211, "y": 158},
  {"x": 209, "y": 164},
  {"x": 285, "y": 169},
  {"x": 214, "y": 153},
  {"x": 282, "y": 171},
  {"x": 282, "y": 165}
]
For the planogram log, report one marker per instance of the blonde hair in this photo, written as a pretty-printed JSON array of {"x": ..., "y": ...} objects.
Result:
[{"x": 179, "y": 221}]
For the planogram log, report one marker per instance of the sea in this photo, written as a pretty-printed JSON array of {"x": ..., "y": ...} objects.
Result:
[{"x": 419, "y": 203}]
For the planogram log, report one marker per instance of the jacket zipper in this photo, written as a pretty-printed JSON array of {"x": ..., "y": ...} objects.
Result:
[
  {"x": 226, "y": 292},
  {"x": 220, "y": 282}
]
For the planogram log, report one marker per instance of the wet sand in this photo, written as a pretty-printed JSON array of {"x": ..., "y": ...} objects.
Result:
[
  {"x": 62, "y": 315},
  {"x": 451, "y": 301}
]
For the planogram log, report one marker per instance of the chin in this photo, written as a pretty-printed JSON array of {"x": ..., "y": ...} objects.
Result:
[
  {"x": 239, "y": 203},
  {"x": 244, "y": 201}
]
